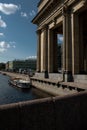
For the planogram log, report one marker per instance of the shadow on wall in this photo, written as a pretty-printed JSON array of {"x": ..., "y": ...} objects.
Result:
[{"x": 57, "y": 113}]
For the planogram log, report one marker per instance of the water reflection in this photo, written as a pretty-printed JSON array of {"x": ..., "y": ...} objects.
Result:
[{"x": 11, "y": 94}]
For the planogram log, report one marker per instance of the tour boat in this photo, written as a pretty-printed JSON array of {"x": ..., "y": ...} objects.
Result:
[{"x": 20, "y": 83}]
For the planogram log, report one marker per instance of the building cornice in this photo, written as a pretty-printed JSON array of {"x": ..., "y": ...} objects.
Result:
[
  {"x": 42, "y": 4},
  {"x": 41, "y": 12},
  {"x": 48, "y": 4}
]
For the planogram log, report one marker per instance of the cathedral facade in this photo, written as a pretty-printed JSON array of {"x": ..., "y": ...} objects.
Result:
[{"x": 69, "y": 19}]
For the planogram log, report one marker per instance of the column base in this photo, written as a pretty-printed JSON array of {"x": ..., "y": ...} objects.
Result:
[
  {"x": 67, "y": 76},
  {"x": 46, "y": 74}
]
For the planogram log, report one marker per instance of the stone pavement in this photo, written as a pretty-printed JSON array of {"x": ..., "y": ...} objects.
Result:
[
  {"x": 53, "y": 87},
  {"x": 57, "y": 88},
  {"x": 15, "y": 75}
]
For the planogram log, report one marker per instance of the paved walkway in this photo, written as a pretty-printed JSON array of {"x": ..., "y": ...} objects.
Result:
[
  {"x": 15, "y": 75},
  {"x": 56, "y": 87},
  {"x": 49, "y": 85},
  {"x": 54, "y": 90},
  {"x": 53, "y": 87},
  {"x": 68, "y": 84}
]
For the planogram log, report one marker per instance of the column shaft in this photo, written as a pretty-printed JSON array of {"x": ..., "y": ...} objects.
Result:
[
  {"x": 50, "y": 51},
  {"x": 39, "y": 51},
  {"x": 75, "y": 44},
  {"x": 55, "y": 53},
  {"x": 64, "y": 43},
  {"x": 68, "y": 43},
  {"x": 67, "y": 46},
  {"x": 45, "y": 50},
  {"x": 81, "y": 45}
]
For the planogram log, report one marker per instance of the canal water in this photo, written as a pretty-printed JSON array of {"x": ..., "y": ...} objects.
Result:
[{"x": 10, "y": 94}]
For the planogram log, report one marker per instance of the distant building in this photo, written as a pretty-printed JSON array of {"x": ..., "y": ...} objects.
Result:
[
  {"x": 17, "y": 65},
  {"x": 7, "y": 66}
]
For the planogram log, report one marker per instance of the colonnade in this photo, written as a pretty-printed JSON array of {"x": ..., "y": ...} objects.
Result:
[{"x": 72, "y": 38}]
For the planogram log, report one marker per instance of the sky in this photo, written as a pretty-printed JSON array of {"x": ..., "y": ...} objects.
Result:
[{"x": 18, "y": 39}]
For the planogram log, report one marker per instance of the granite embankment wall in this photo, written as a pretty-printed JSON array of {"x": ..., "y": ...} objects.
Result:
[{"x": 57, "y": 113}]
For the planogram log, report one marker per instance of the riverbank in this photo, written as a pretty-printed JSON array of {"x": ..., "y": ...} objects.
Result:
[
  {"x": 11, "y": 94},
  {"x": 15, "y": 75},
  {"x": 52, "y": 87}
]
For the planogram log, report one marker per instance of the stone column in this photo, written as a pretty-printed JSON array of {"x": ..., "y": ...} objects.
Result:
[
  {"x": 67, "y": 46},
  {"x": 39, "y": 51},
  {"x": 50, "y": 51},
  {"x": 81, "y": 45},
  {"x": 45, "y": 48},
  {"x": 55, "y": 53},
  {"x": 64, "y": 43},
  {"x": 75, "y": 44}
]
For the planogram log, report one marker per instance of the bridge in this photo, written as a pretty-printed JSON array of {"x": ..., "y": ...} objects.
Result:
[{"x": 53, "y": 113}]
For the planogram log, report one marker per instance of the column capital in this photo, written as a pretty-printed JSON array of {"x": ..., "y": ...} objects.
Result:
[
  {"x": 84, "y": 2},
  {"x": 65, "y": 10},
  {"x": 44, "y": 27}
]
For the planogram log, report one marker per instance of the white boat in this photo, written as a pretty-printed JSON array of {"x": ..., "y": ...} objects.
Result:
[
  {"x": 23, "y": 84},
  {"x": 20, "y": 83}
]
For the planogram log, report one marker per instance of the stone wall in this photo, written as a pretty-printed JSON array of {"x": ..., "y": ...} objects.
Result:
[
  {"x": 80, "y": 78},
  {"x": 57, "y": 113},
  {"x": 53, "y": 76}
]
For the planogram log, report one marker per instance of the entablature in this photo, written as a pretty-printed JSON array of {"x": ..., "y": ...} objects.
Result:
[
  {"x": 79, "y": 6},
  {"x": 54, "y": 9},
  {"x": 42, "y": 3},
  {"x": 49, "y": 7}
]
